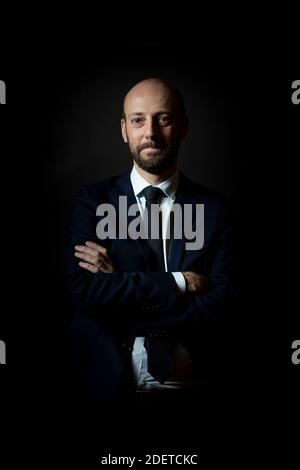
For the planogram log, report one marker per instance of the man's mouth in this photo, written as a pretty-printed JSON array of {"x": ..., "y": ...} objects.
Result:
[{"x": 152, "y": 147}]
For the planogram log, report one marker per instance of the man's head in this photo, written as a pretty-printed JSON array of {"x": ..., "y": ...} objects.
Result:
[{"x": 154, "y": 123}]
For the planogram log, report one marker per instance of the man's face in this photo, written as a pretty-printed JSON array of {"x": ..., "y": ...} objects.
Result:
[{"x": 153, "y": 127}]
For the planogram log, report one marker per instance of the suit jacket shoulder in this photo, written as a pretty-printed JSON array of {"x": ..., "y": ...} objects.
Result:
[{"x": 101, "y": 190}]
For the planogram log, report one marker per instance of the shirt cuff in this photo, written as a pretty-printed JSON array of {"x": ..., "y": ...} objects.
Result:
[{"x": 180, "y": 281}]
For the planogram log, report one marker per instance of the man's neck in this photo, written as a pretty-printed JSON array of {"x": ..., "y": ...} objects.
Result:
[{"x": 154, "y": 180}]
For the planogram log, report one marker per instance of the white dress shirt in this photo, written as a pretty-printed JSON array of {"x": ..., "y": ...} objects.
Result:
[{"x": 139, "y": 354}]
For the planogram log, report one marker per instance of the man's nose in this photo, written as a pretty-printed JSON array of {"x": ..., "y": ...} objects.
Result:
[{"x": 151, "y": 129}]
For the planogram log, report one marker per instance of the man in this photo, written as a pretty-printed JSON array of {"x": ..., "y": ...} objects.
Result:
[{"x": 146, "y": 308}]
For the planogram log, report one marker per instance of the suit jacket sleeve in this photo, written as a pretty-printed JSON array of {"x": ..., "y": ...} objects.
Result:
[{"x": 221, "y": 301}]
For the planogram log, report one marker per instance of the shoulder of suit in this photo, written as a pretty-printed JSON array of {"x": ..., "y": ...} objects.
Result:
[
  {"x": 201, "y": 191},
  {"x": 101, "y": 189}
]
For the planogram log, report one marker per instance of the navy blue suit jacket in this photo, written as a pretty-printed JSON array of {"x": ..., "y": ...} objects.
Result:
[{"x": 112, "y": 308}]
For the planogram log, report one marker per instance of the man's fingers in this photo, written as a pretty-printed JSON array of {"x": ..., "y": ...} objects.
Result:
[
  {"x": 90, "y": 259},
  {"x": 96, "y": 268},
  {"x": 196, "y": 282},
  {"x": 94, "y": 250},
  {"x": 98, "y": 248},
  {"x": 87, "y": 250},
  {"x": 89, "y": 267},
  {"x": 99, "y": 262},
  {"x": 95, "y": 257}
]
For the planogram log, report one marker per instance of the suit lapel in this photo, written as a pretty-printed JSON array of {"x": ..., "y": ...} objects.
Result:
[
  {"x": 124, "y": 187},
  {"x": 177, "y": 246}
]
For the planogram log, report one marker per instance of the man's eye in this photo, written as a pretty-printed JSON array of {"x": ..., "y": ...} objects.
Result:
[
  {"x": 136, "y": 120},
  {"x": 164, "y": 119}
]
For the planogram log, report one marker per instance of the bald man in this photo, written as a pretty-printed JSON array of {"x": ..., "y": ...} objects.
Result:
[{"x": 145, "y": 303}]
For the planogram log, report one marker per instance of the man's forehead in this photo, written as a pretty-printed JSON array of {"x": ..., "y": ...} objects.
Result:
[{"x": 149, "y": 101}]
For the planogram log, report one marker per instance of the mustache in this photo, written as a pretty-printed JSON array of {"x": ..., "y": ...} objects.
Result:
[{"x": 151, "y": 145}]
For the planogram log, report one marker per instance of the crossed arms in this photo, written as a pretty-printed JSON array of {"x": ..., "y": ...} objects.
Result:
[
  {"x": 95, "y": 258},
  {"x": 94, "y": 279}
]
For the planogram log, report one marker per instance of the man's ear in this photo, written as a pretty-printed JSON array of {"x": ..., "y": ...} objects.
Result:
[
  {"x": 123, "y": 130},
  {"x": 184, "y": 128}
]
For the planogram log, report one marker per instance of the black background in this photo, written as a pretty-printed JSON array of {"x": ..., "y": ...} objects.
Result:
[{"x": 60, "y": 129}]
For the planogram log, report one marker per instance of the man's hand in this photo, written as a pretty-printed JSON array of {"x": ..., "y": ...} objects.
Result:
[
  {"x": 94, "y": 258},
  {"x": 196, "y": 282}
]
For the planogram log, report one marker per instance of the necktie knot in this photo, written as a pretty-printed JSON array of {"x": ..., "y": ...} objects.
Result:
[{"x": 153, "y": 194}]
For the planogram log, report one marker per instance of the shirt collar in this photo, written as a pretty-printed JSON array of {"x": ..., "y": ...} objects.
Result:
[{"x": 169, "y": 186}]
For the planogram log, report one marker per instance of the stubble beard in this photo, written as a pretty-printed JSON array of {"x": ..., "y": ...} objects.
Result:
[{"x": 155, "y": 162}]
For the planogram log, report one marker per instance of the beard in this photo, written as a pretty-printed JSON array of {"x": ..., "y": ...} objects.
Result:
[{"x": 159, "y": 159}]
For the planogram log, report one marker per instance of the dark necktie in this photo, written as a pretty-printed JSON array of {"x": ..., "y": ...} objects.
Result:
[{"x": 160, "y": 352}]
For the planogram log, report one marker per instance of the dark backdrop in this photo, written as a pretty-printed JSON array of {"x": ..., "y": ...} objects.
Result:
[{"x": 60, "y": 129}]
